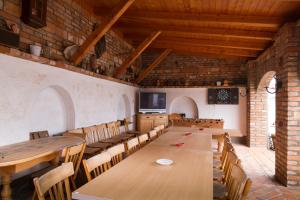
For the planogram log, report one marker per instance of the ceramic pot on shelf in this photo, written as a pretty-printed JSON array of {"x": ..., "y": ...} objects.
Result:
[{"x": 36, "y": 49}]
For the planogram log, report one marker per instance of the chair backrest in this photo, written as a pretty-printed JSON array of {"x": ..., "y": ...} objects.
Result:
[
  {"x": 74, "y": 154},
  {"x": 226, "y": 147},
  {"x": 101, "y": 131},
  {"x": 143, "y": 139},
  {"x": 231, "y": 159},
  {"x": 239, "y": 184},
  {"x": 38, "y": 134},
  {"x": 132, "y": 145},
  {"x": 55, "y": 183},
  {"x": 152, "y": 134},
  {"x": 116, "y": 152},
  {"x": 96, "y": 165},
  {"x": 126, "y": 125},
  {"x": 90, "y": 134},
  {"x": 75, "y": 132},
  {"x": 158, "y": 129},
  {"x": 118, "y": 127},
  {"x": 111, "y": 129}
]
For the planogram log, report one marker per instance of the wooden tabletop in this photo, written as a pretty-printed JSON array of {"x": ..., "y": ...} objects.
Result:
[
  {"x": 139, "y": 177},
  {"x": 26, "y": 151},
  {"x": 221, "y": 131}
]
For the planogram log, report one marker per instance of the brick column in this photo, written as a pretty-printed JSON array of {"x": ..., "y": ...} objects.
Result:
[
  {"x": 257, "y": 110},
  {"x": 288, "y": 109}
]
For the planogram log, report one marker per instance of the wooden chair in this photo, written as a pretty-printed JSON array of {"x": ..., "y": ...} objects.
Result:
[
  {"x": 143, "y": 139},
  {"x": 96, "y": 165},
  {"x": 116, "y": 152},
  {"x": 153, "y": 134},
  {"x": 38, "y": 134},
  {"x": 74, "y": 154},
  {"x": 132, "y": 146},
  {"x": 162, "y": 128},
  {"x": 92, "y": 136},
  {"x": 158, "y": 130},
  {"x": 237, "y": 187},
  {"x": 71, "y": 155},
  {"x": 55, "y": 183},
  {"x": 126, "y": 124},
  {"x": 222, "y": 174}
]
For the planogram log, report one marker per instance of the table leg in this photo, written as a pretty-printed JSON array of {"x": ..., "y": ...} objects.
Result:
[{"x": 6, "y": 191}]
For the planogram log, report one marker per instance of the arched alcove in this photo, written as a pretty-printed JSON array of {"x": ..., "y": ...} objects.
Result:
[
  {"x": 52, "y": 110},
  {"x": 124, "y": 107},
  {"x": 184, "y": 105}
]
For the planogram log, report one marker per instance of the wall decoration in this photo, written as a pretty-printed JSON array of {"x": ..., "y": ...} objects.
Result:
[
  {"x": 223, "y": 96},
  {"x": 7, "y": 35},
  {"x": 1, "y": 4},
  {"x": 34, "y": 13}
]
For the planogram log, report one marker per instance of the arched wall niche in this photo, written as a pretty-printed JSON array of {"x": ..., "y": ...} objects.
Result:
[
  {"x": 52, "y": 110},
  {"x": 124, "y": 107},
  {"x": 185, "y": 105}
]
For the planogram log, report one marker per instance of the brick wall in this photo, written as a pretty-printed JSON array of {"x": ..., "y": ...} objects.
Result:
[
  {"x": 282, "y": 58},
  {"x": 67, "y": 24},
  {"x": 188, "y": 70}
]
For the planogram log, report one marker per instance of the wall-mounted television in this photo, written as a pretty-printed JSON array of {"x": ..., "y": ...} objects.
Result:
[{"x": 152, "y": 102}]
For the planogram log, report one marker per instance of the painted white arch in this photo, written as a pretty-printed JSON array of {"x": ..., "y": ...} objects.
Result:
[
  {"x": 52, "y": 110},
  {"x": 185, "y": 105},
  {"x": 124, "y": 107}
]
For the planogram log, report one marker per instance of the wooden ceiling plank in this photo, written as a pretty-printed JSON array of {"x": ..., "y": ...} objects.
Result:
[
  {"x": 136, "y": 53},
  {"x": 154, "y": 64},
  {"x": 217, "y": 51},
  {"x": 256, "y": 21},
  {"x": 202, "y": 42},
  {"x": 105, "y": 26},
  {"x": 190, "y": 30}
]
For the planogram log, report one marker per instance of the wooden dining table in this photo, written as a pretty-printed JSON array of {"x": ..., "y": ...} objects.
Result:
[
  {"x": 140, "y": 177},
  {"x": 218, "y": 134},
  {"x": 18, "y": 157}
]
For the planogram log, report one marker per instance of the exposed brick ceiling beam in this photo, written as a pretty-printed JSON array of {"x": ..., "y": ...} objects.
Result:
[
  {"x": 105, "y": 26},
  {"x": 154, "y": 64},
  {"x": 136, "y": 53}
]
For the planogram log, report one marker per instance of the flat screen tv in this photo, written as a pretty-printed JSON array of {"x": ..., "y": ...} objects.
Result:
[{"x": 152, "y": 102}]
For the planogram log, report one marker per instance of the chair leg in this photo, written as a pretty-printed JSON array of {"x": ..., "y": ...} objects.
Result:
[{"x": 34, "y": 196}]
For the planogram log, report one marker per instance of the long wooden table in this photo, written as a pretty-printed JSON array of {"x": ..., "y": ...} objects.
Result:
[
  {"x": 218, "y": 134},
  {"x": 21, "y": 156},
  {"x": 139, "y": 177}
]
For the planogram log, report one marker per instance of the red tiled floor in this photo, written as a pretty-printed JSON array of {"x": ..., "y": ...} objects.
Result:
[{"x": 259, "y": 163}]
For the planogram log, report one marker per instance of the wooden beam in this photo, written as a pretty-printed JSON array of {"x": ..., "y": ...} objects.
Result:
[
  {"x": 155, "y": 63},
  {"x": 95, "y": 36},
  {"x": 136, "y": 53},
  {"x": 209, "y": 50},
  {"x": 195, "y": 31},
  {"x": 232, "y": 44},
  {"x": 237, "y": 20}
]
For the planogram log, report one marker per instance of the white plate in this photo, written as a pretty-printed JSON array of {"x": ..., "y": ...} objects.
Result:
[{"x": 164, "y": 161}]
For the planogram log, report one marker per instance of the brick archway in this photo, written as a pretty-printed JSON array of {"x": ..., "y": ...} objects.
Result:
[{"x": 258, "y": 124}]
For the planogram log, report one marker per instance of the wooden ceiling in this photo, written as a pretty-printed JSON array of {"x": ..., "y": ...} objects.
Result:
[{"x": 224, "y": 28}]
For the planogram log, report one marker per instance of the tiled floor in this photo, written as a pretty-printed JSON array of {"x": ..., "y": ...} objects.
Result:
[{"x": 259, "y": 163}]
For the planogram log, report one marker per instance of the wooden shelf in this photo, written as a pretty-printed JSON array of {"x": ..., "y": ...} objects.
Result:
[{"x": 59, "y": 64}]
